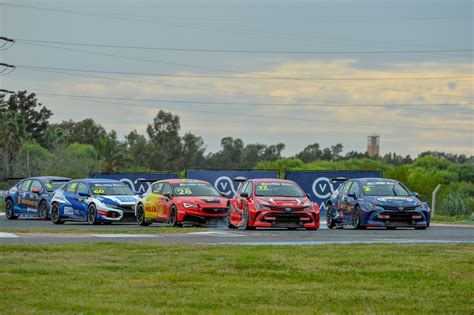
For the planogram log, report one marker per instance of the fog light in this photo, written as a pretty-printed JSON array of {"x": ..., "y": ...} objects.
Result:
[
  {"x": 383, "y": 216},
  {"x": 416, "y": 217},
  {"x": 305, "y": 219},
  {"x": 270, "y": 218}
]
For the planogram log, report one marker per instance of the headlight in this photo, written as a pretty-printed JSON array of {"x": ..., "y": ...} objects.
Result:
[
  {"x": 262, "y": 207},
  {"x": 419, "y": 208},
  {"x": 190, "y": 206},
  {"x": 374, "y": 206}
]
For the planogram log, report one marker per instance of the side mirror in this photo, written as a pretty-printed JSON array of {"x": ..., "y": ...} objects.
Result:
[
  {"x": 223, "y": 194},
  {"x": 352, "y": 195},
  {"x": 36, "y": 191},
  {"x": 416, "y": 195},
  {"x": 84, "y": 194},
  {"x": 244, "y": 195},
  {"x": 308, "y": 195},
  {"x": 167, "y": 195}
]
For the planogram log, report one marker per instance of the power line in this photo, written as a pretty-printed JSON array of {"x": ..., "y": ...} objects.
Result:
[
  {"x": 247, "y": 78},
  {"x": 283, "y": 118},
  {"x": 247, "y": 51},
  {"x": 400, "y": 106}
]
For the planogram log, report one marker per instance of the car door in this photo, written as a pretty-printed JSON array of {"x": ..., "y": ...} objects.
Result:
[
  {"x": 355, "y": 189},
  {"x": 80, "y": 204},
  {"x": 22, "y": 196},
  {"x": 70, "y": 195},
  {"x": 33, "y": 197},
  {"x": 152, "y": 200},
  {"x": 344, "y": 202},
  {"x": 166, "y": 203}
]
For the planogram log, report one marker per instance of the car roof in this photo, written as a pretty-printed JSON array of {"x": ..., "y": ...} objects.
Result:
[
  {"x": 96, "y": 180},
  {"x": 47, "y": 178},
  {"x": 375, "y": 179},
  {"x": 182, "y": 181},
  {"x": 271, "y": 180}
]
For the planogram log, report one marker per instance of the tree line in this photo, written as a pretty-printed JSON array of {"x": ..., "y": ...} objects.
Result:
[{"x": 32, "y": 145}]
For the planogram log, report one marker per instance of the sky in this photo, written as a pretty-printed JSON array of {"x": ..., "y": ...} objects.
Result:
[{"x": 296, "y": 72}]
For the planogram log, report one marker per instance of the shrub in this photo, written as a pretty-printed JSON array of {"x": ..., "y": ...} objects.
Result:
[{"x": 455, "y": 203}]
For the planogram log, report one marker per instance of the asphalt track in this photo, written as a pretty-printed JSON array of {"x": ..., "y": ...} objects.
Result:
[{"x": 224, "y": 236}]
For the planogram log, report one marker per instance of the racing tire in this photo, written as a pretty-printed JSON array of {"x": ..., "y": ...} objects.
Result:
[
  {"x": 356, "y": 219},
  {"x": 247, "y": 219},
  {"x": 92, "y": 215},
  {"x": 43, "y": 210},
  {"x": 141, "y": 216},
  {"x": 55, "y": 217},
  {"x": 9, "y": 210},
  {"x": 173, "y": 218},
  {"x": 329, "y": 219},
  {"x": 229, "y": 225}
]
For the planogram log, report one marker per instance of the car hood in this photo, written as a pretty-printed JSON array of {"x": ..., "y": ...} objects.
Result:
[
  {"x": 118, "y": 200},
  {"x": 394, "y": 201},
  {"x": 283, "y": 201},
  {"x": 204, "y": 201}
]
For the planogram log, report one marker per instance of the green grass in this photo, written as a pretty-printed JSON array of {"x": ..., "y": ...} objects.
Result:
[
  {"x": 139, "y": 278},
  {"x": 460, "y": 219},
  {"x": 104, "y": 230}
]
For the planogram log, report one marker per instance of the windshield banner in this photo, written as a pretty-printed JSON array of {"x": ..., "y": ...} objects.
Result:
[
  {"x": 135, "y": 180},
  {"x": 223, "y": 181},
  {"x": 319, "y": 186}
]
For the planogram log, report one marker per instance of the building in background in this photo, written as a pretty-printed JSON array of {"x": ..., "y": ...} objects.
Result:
[{"x": 373, "y": 145}]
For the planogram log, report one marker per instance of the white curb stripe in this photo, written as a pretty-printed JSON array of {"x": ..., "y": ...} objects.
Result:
[
  {"x": 7, "y": 235},
  {"x": 217, "y": 234},
  {"x": 123, "y": 235}
]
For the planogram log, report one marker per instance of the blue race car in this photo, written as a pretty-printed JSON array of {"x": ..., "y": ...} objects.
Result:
[
  {"x": 94, "y": 201},
  {"x": 376, "y": 202},
  {"x": 31, "y": 197}
]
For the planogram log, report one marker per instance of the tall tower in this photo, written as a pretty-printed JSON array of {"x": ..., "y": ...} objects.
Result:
[{"x": 373, "y": 145}]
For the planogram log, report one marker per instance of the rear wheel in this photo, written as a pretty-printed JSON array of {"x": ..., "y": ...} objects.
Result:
[
  {"x": 173, "y": 219},
  {"x": 9, "y": 210},
  {"x": 247, "y": 219},
  {"x": 55, "y": 217},
  {"x": 141, "y": 216},
  {"x": 43, "y": 210},
  {"x": 92, "y": 214},
  {"x": 329, "y": 217}
]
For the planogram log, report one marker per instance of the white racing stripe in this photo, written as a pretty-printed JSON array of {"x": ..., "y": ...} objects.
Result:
[
  {"x": 217, "y": 234},
  {"x": 7, "y": 235},
  {"x": 124, "y": 235},
  {"x": 1, "y": 213}
]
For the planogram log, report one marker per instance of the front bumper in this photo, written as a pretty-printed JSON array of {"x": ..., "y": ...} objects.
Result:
[
  {"x": 121, "y": 213},
  {"x": 295, "y": 219},
  {"x": 208, "y": 215},
  {"x": 391, "y": 218}
]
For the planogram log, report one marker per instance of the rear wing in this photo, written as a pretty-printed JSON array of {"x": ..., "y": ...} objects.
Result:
[
  {"x": 148, "y": 180},
  {"x": 240, "y": 179},
  {"x": 339, "y": 179},
  {"x": 64, "y": 180}
]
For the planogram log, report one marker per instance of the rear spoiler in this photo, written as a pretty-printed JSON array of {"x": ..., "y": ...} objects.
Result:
[
  {"x": 61, "y": 180},
  {"x": 148, "y": 180},
  {"x": 240, "y": 179},
  {"x": 339, "y": 179}
]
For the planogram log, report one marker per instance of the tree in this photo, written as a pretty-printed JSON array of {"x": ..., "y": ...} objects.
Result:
[
  {"x": 86, "y": 131},
  {"x": 193, "y": 149},
  {"x": 12, "y": 134},
  {"x": 111, "y": 152},
  {"x": 34, "y": 114},
  {"x": 310, "y": 153}
]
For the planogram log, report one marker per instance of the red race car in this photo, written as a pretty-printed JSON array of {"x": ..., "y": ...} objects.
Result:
[
  {"x": 179, "y": 201},
  {"x": 272, "y": 203}
]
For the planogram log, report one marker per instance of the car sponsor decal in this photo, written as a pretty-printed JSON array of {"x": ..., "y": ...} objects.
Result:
[
  {"x": 68, "y": 210},
  {"x": 395, "y": 199}
]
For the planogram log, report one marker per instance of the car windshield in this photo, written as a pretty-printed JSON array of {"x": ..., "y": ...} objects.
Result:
[
  {"x": 115, "y": 189},
  {"x": 273, "y": 189},
  {"x": 384, "y": 189},
  {"x": 54, "y": 184},
  {"x": 195, "y": 189}
]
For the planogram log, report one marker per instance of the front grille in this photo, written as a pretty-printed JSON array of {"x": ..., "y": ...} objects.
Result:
[
  {"x": 217, "y": 201},
  {"x": 129, "y": 208},
  {"x": 215, "y": 210},
  {"x": 113, "y": 214},
  {"x": 288, "y": 217},
  {"x": 394, "y": 208},
  {"x": 284, "y": 208},
  {"x": 399, "y": 218}
]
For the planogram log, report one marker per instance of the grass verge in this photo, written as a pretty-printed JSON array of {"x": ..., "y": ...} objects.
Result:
[
  {"x": 460, "y": 219},
  {"x": 137, "y": 278}
]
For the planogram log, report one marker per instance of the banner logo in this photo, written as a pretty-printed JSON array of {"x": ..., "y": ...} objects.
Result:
[{"x": 322, "y": 187}]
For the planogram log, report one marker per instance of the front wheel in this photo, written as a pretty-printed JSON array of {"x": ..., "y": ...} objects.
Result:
[
  {"x": 356, "y": 221},
  {"x": 247, "y": 220},
  {"x": 55, "y": 217},
  {"x": 43, "y": 210},
  {"x": 141, "y": 216},
  {"x": 173, "y": 219},
  {"x": 229, "y": 224},
  {"x": 9, "y": 210},
  {"x": 92, "y": 215}
]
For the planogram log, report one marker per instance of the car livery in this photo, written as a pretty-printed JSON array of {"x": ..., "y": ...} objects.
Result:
[
  {"x": 181, "y": 201},
  {"x": 93, "y": 201},
  {"x": 272, "y": 203},
  {"x": 376, "y": 202},
  {"x": 31, "y": 197}
]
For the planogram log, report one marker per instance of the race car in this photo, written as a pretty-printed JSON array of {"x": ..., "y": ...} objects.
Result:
[
  {"x": 376, "y": 202},
  {"x": 94, "y": 201},
  {"x": 181, "y": 201},
  {"x": 31, "y": 197},
  {"x": 272, "y": 203}
]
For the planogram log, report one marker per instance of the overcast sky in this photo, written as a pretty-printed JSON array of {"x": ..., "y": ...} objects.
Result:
[{"x": 288, "y": 113}]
